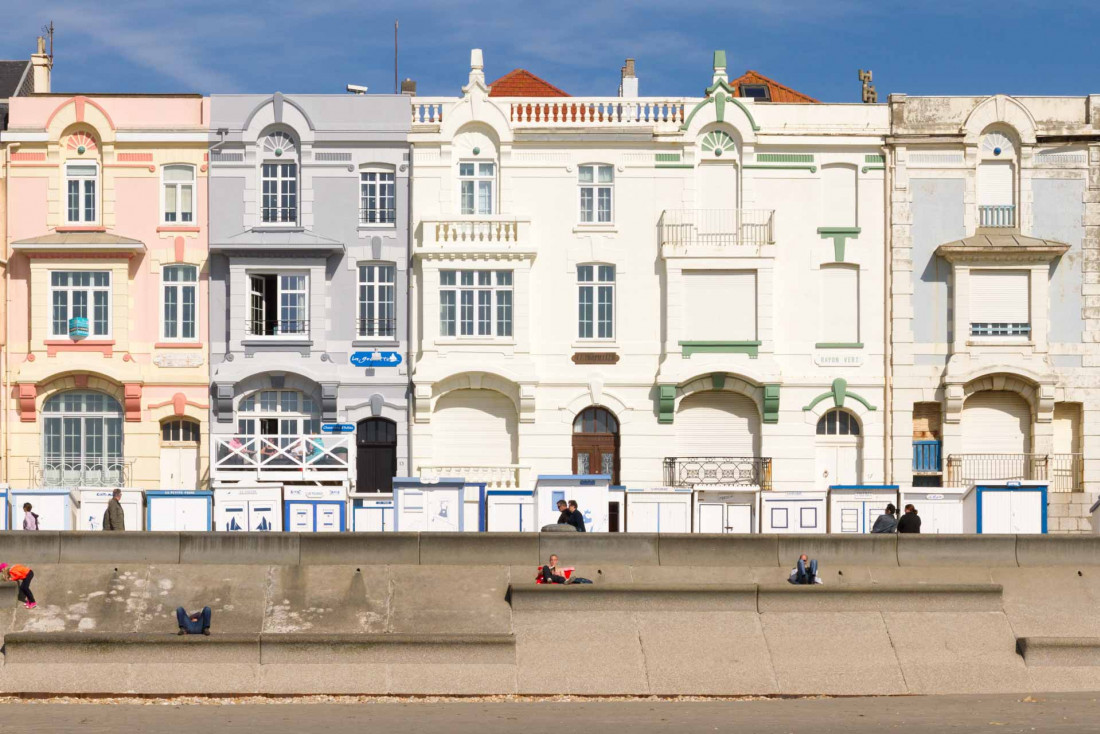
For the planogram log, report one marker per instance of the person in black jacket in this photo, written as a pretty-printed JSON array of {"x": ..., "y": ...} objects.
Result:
[
  {"x": 576, "y": 518},
  {"x": 910, "y": 521},
  {"x": 565, "y": 518}
]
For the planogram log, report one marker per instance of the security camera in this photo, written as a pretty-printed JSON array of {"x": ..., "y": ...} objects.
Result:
[{"x": 357, "y": 89}]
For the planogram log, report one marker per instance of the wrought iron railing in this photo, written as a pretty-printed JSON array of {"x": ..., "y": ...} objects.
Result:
[
  {"x": 277, "y": 327},
  {"x": 727, "y": 471},
  {"x": 60, "y": 473},
  {"x": 376, "y": 327},
  {"x": 1066, "y": 472},
  {"x": 966, "y": 469},
  {"x": 1003, "y": 215},
  {"x": 927, "y": 458},
  {"x": 305, "y": 453},
  {"x": 716, "y": 227},
  {"x": 377, "y": 216}
]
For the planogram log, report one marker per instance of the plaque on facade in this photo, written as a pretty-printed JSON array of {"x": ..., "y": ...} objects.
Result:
[
  {"x": 178, "y": 359},
  {"x": 838, "y": 360},
  {"x": 596, "y": 358}
]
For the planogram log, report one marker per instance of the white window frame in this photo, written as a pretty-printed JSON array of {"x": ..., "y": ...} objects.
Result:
[
  {"x": 593, "y": 283},
  {"x": 595, "y": 190},
  {"x": 178, "y": 188},
  {"x": 180, "y": 439},
  {"x": 89, "y": 304},
  {"x": 462, "y": 317},
  {"x": 475, "y": 181},
  {"x": 383, "y": 216},
  {"x": 82, "y": 192},
  {"x": 279, "y": 179},
  {"x": 179, "y": 288},
  {"x": 371, "y": 290},
  {"x": 302, "y": 333},
  {"x": 251, "y": 408}
]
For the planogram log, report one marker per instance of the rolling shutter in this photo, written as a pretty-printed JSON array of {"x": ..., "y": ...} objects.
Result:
[
  {"x": 999, "y": 297},
  {"x": 474, "y": 428},
  {"x": 840, "y": 305},
  {"x": 995, "y": 186},
  {"x": 996, "y": 422},
  {"x": 1067, "y": 428},
  {"x": 838, "y": 197},
  {"x": 721, "y": 305},
  {"x": 717, "y": 423}
]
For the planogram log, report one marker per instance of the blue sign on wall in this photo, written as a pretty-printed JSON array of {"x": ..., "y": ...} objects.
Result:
[
  {"x": 338, "y": 428},
  {"x": 376, "y": 359}
]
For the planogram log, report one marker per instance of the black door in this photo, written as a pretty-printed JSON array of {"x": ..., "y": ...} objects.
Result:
[{"x": 376, "y": 449}]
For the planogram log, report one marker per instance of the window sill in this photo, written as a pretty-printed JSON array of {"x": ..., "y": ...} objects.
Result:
[
  {"x": 592, "y": 345},
  {"x": 256, "y": 341},
  {"x": 838, "y": 345},
  {"x": 178, "y": 228},
  {"x": 998, "y": 341},
  {"x": 80, "y": 228},
  {"x": 453, "y": 341},
  {"x": 382, "y": 341},
  {"x": 602, "y": 228},
  {"x": 392, "y": 225},
  {"x": 79, "y": 342},
  {"x": 178, "y": 345}
]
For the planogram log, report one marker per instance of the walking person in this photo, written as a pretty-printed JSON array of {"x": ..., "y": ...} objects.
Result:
[
  {"x": 886, "y": 522},
  {"x": 910, "y": 521},
  {"x": 114, "y": 518},
  {"x": 576, "y": 518},
  {"x": 30, "y": 519},
  {"x": 24, "y": 576}
]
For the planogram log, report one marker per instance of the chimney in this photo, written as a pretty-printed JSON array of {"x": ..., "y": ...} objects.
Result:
[
  {"x": 43, "y": 64},
  {"x": 408, "y": 86},
  {"x": 628, "y": 83}
]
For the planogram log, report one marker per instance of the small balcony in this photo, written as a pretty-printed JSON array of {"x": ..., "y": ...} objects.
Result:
[
  {"x": 726, "y": 471},
  {"x": 376, "y": 328},
  {"x": 997, "y": 217},
  {"x": 717, "y": 229},
  {"x": 496, "y": 476},
  {"x": 61, "y": 473},
  {"x": 1062, "y": 472},
  {"x": 477, "y": 233},
  {"x": 277, "y": 328},
  {"x": 927, "y": 457},
  {"x": 279, "y": 458}
]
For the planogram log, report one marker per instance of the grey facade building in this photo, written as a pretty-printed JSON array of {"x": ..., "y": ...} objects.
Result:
[{"x": 309, "y": 198}]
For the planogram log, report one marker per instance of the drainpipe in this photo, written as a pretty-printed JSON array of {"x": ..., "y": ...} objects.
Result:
[
  {"x": 410, "y": 317},
  {"x": 6, "y": 379},
  {"x": 888, "y": 351}
]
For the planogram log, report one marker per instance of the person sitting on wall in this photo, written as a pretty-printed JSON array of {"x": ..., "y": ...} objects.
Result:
[
  {"x": 576, "y": 517},
  {"x": 886, "y": 522},
  {"x": 805, "y": 572},
  {"x": 552, "y": 573},
  {"x": 193, "y": 624},
  {"x": 910, "y": 521}
]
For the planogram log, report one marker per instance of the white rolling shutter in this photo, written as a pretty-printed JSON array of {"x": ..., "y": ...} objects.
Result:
[
  {"x": 838, "y": 199},
  {"x": 1067, "y": 428},
  {"x": 995, "y": 183},
  {"x": 717, "y": 423},
  {"x": 999, "y": 297},
  {"x": 721, "y": 305},
  {"x": 717, "y": 192},
  {"x": 996, "y": 422},
  {"x": 474, "y": 428},
  {"x": 840, "y": 305}
]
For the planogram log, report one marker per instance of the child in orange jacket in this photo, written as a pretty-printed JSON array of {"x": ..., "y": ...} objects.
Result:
[{"x": 24, "y": 576}]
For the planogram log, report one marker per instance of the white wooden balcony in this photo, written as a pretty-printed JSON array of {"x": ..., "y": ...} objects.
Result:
[
  {"x": 657, "y": 113},
  {"x": 489, "y": 233},
  {"x": 280, "y": 458},
  {"x": 497, "y": 476},
  {"x": 716, "y": 231}
]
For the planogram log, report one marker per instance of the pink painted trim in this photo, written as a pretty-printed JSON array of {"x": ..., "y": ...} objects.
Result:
[
  {"x": 28, "y": 156},
  {"x": 151, "y": 169},
  {"x": 135, "y": 157},
  {"x": 79, "y": 255},
  {"x": 178, "y": 249},
  {"x": 104, "y": 347},
  {"x": 172, "y": 402},
  {"x": 179, "y": 229},
  {"x": 27, "y": 394},
  {"x": 33, "y": 165},
  {"x": 177, "y": 345},
  {"x": 80, "y": 101},
  {"x": 131, "y": 396},
  {"x": 80, "y": 229}
]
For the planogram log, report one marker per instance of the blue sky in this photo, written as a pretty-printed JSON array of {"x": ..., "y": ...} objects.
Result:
[{"x": 816, "y": 46}]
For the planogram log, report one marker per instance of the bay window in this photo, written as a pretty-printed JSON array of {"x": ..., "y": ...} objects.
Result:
[
  {"x": 475, "y": 303},
  {"x": 1000, "y": 303},
  {"x": 80, "y": 294},
  {"x": 82, "y": 440}
]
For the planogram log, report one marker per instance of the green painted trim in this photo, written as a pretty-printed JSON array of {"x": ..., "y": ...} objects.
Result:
[
  {"x": 666, "y": 403},
  {"x": 874, "y": 158},
  {"x": 838, "y": 393},
  {"x": 721, "y": 100},
  {"x": 718, "y": 381},
  {"x": 839, "y": 236},
  {"x": 755, "y": 127},
  {"x": 751, "y": 348},
  {"x": 784, "y": 158},
  {"x": 674, "y": 165},
  {"x": 863, "y": 400},
  {"x": 771, "y": 403},
  {"x": 720, "y": 59},
  {"x": 839, "y": 345},
  {"x": 668, "y": 158},
  {"x": 865, "y": 169},
  {"x": 811, "y": 169},
  {"x": 701, "y": 105}
]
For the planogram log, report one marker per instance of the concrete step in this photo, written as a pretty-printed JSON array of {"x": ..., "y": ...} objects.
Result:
[
  {"x": 632, "y": 597},
  {"x": 9, "y": 593},
  {"x": 896, "y": 597},
  {"x": 1069, "y": 652}
]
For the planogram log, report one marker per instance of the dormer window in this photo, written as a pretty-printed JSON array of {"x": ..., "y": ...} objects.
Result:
[
  {"x": 759, "y": 92},
  {"x": 82, "y": 205}
]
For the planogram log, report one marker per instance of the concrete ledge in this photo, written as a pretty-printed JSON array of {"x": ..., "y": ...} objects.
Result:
[
  {"x": 19, "y": 546},
  {"x": 880, "y": 598},
  {"x": 718, "y": 550},
  {"x": 424, "y": 649},
  {"x": 479, "y": 549},
  {"x": 104, "y": 547},
  {"x": 279, "y": 549},
  {"x": 372, "y": 549},
  {"x": 1069, "y": 652},
  {"x": 108, "y": 647},
  {"x": 957, "y": 550},
  {"x": 633, "y": 597},
  {"x": 612, "y": 549},
  {"x": 9, "y": 593},
  {"x": 832, "y": 551},
  {"x": 1058, "y": 550}
]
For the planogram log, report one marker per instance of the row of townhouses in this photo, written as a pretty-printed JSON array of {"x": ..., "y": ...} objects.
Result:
[{"x": 744, "y": 287}]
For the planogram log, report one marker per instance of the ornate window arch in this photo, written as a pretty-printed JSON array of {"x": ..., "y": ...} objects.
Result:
[
  {"x": 838, "y": 422},
  {"x": 278, "y": 179},
  {"x": 82, "y": 440}
]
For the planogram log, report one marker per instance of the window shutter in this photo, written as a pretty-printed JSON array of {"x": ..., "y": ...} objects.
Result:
[
  {"x": 840, "y": 305},
  {"x": 721, "y": 305},
  {"x": 996, "y": 422},
  {"x": 999, "y": 297},
  {"x": 838, "y": 198},
  {"x": 995, "y": 183}
]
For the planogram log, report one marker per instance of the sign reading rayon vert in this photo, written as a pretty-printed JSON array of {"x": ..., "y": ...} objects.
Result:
[{"x": 376, "y": 359}]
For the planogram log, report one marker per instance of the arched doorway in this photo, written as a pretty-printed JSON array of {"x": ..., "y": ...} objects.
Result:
[
  {"x": 82, "y": 440},
  {"x": 475, "y": 428},
  {"x": 838, "y": 449},
  {"x": 996, "y": 439},
  {"x": 596, "y": 443},
  {"x": 376, "y": 455}
]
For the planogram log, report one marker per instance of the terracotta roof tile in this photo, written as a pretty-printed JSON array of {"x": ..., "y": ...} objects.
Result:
[
  {"x": 779, "y": 92},
  {"x": 522, "y": 83}
]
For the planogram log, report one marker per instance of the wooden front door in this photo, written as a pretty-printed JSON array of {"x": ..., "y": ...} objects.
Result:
[
  {"x": 376, "y": 455},
  {"x": 596, "y": 443}
]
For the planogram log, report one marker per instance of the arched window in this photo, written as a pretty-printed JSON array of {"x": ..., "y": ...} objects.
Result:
[
  {"x": 279, "y": 178},
  {"x": 476, "y": 181},
  {"x": 997, "y": 180},
  {"x": 596, "y": 443},
  {"x": 82, "y": 440},
  {"x": 595, "y": 420},
  {"x": 278, "y": 413},
  {"x": 838, "y": 422},
  {"x": 178, "y": 182},
  {"x": 179, "y": 431}
]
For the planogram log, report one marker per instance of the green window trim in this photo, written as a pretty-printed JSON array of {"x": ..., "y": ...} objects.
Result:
[
  {"x": 771, "y": 403},
  {"x": 784, "y": 158},
  {"x": 839, "y": 345},
  {"x": 874, "y": 158},
  {"x": 751, "y": 348},
  {"x": 865, "y": 169},
  {"x": 811, "y": 169},
  {"x": 666, "y": 403},
  {"x": 668, "y": 158},
  {"x": 839, "y": 236},
  {"x": 673, "y": 165}
]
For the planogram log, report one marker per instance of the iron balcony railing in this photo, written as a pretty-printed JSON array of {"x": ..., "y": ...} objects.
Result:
[
  {"x": 1062, "y": 472},
  {"x": 277, "y": 327},
  {"x": 727, "y": 471},
  {"x": 109, "y": 472},
  {"x": 716, "y": 227},
  {"x": 377, "y": 216},
  {"x": 306, "y": 453},
  {"x": 1002, "y": 215},
  {"x": 376, "y": 327},
  {"x": 927, "y": 457}
]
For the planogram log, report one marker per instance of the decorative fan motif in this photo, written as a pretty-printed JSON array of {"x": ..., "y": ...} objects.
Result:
[
  {"x": 998, "y": 145},
  {"x": 279, "y": 145},
  {"x": 718, "y": 142},
  {"x": 81, "y": 142}
]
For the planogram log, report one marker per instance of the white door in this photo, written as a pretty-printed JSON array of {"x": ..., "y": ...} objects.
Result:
[
  {"x": 374, "y": 519},
  {"x": 301, "y": 518},
  {"x": 510, "y": 517},
  {"x": 739, "y": 519},
  {"x": 717, "y": 423},
  {"x": 162, "y": 514},
  {"x": 710, "y": 518},
  {"x": 996, "y": 512},
  {"x": 191, "y": 513},
  {"x": 672, "y": 517},
  {"x": 179, "y": 467},
  {"x": 234, "y": 517},
  {"x": 328, "y": 518},
  {"x": 837, "y": 462},
  {"x": 412, "y": 512},
  {"x": 644, "y": 517},
  {"x": 470, "y": 517},
  {"x": 263, "y": 516},
  {"x": 996, "y": 422},
  {"x": 474, "y": 428},
  {"x": 849, "y": 516},
  {"x": 443, "y": 510},
  {"x": 1027, "y": 512}
]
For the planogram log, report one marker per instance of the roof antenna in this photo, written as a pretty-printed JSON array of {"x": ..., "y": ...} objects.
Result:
[
  {"x": 396, "y": 85},
  {"x": 47, "y": 30},
  {"x": 870, "y": 96}
]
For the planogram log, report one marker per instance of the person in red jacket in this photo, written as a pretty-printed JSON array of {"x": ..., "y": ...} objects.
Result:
[{"x": 24, "y": 576}]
